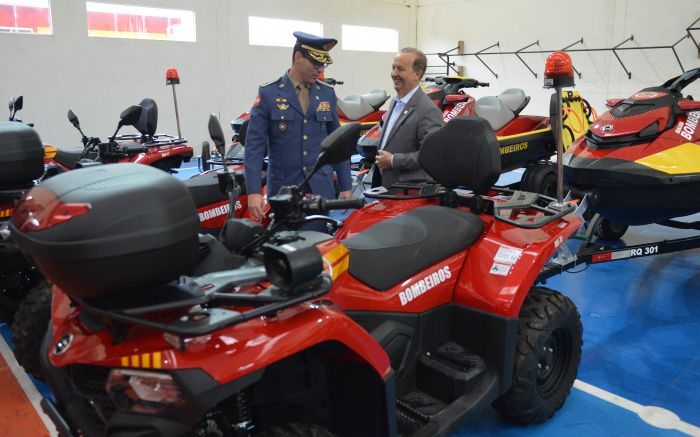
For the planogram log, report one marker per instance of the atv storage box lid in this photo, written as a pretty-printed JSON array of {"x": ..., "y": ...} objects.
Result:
[
  {"x": 21, "y": 155},
  {"x": 111, "y": 229}
]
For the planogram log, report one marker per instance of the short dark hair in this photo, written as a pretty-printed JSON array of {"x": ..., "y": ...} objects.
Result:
[{"x": 421, "y": 62}]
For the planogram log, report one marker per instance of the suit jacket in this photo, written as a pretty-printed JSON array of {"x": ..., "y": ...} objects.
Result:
[
  {"x": 291, "y": 139},
  {"x": 419, "y": 117}
]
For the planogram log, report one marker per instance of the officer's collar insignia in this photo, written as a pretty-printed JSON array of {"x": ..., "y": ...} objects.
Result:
[
  {"x": 324, "y": 106},
  {"x": 283, "y": 106}
]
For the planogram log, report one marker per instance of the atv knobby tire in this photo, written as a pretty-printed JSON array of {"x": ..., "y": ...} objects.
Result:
[
  {"x": 547, "y": 356},
  {"x": 30, "y": 324},
  {"x": 540, "y": 178},
  {"x": 296, "y": 429},
  {"x": 608, "y": 230}
]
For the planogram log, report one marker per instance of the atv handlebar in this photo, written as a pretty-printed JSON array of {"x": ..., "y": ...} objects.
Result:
[{"x": 325, "y": 205}]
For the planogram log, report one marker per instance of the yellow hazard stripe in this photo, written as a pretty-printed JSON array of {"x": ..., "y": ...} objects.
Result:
[
  {"x": 335, "y": 254},
  {"x": 143, "y": 361},
  {"x": 538, "y": 131},
  {"x": 681, "y": 159}
]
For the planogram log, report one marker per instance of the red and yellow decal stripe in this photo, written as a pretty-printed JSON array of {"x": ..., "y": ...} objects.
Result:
[
  {"x": 147, "y": 360},
  {"x": 4, "y": 213},
  {"x": 682, "y": 159},
  {"x": 336, "y": 261}
]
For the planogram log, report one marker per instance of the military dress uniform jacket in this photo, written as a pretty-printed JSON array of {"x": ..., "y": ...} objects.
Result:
[{"x": 291, "y": 139}]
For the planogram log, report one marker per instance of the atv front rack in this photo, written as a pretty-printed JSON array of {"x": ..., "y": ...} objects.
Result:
[{"x": 206, "y": 294}]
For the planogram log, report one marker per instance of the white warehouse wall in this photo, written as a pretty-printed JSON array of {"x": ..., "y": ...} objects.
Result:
[
  {"x": 556, "y": 24},
  {"x": 220, "y": 73}
]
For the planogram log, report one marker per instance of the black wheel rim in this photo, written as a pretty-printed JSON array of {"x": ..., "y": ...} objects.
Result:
[{"x": 553, "y": 362}]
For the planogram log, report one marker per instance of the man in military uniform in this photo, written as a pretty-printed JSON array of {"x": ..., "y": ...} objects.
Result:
[{"x": 290, "y": 118}]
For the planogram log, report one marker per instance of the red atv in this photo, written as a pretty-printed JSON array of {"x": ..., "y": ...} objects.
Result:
[
  {"x": 431, "y": 314},
  {"x": 212, "y": 202},
  {"x": 161, "y": 151}
]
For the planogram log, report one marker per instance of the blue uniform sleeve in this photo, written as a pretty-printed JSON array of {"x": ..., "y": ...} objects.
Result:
[
  {"x": 342, "y": 169},
  {"x": 256, "y": 144}
]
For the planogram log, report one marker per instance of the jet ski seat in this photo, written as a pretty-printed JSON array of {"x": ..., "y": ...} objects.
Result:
[
  {"x": 515, "y": 99},
  {"x": 356, "y": 106},
  {"x": 493, "y": 110}
]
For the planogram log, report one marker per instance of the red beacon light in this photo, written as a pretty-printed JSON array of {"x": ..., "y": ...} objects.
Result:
[
  {"x": 172, "y": 77},
  {"x": 558, "y": 71}
]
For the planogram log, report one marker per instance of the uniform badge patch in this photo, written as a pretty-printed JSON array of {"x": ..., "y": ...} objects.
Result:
[
  {"x": 257, "y": 101},
  {"x": 280, "y": 100},
  {"x": 283, "y": 106},
  {"x": 324, "y": 106},
  {"x": 282, "y": 127}
]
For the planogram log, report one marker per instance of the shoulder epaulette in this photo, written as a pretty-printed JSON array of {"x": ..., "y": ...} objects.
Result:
[{"x": 270, "y": 82}]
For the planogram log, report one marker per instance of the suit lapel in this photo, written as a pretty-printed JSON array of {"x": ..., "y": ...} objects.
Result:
[
  {"x": 402, "y": 117},
  {"x": 386, "y": 121},
  {"x": 314, "y": 98},
  {"x": 286, "y": 90}
]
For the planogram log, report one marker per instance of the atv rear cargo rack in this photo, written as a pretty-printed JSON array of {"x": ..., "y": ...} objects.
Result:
[{"x": 207, "y": 292}]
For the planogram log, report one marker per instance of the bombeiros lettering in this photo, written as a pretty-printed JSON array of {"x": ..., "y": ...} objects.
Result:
[
  {"x": 687, "y": 129},
  {"x": 218, "y": 211},
  {"x": 514, "y": 148},
  {"x": 427, "y": 283}
]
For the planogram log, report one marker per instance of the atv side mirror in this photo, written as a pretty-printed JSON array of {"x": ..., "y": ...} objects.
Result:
[
  {"x": 688, "y": 105},
  {"x": 216, "y": 133},
  {"x": 340, "y": 145},
  {"x": 337, "y": 147},
  {"x": 18, "y": 103},
  {"x": 73, "y": 119}
]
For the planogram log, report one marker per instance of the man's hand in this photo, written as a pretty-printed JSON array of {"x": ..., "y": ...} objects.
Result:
[
  {"x": 383, "y": 160},
  {"x": 255, "y": 206},
  {"x": 345, "y": 195}
]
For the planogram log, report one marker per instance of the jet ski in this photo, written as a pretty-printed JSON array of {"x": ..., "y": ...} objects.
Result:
[{"x": 639, "y": 162}]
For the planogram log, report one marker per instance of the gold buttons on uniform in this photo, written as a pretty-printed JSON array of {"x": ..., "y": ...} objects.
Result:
[
  {"x": 282, "y": 117},
  {"x": 305, "y": 153},
  {"x": 306, "y": 121},
  {"x": 306, "y": 137},
  {"x": 304, "y": 168}
]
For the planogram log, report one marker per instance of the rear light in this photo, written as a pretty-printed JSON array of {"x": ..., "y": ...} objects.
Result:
[
  {"x": 143, "y": 392},
  {"x": 40, "y": 209},
  {"x": 6, "y": 210}
]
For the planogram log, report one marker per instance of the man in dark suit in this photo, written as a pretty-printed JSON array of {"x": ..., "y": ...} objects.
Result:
[
  {"x": 290, "y": 118},
  {"x": 412, "y": 115}
]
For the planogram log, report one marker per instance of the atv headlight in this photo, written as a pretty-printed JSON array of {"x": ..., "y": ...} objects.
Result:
[{"x": 143, "y": 392}]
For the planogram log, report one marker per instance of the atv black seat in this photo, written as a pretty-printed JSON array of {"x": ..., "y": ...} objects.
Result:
[
  {"x": 148, "y": 121},
  {"x": 204, "y": 189},
  {"x": 409, "y": 243},
  {"x": 463, "y": 153},
  {"x": 68, "y": 158}
]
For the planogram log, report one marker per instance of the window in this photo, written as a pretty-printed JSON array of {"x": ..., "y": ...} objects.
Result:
[
  {"x": 278, "y": 32},
  {"x": 25, "y": 16},
  {"x": 369, "y": 39},
  {"x": 137, "y": 22}
]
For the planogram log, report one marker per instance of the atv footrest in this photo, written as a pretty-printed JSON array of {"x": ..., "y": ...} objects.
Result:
[
  {"x": 449, "y": 372},
  {"x": 414, "y": 411}
]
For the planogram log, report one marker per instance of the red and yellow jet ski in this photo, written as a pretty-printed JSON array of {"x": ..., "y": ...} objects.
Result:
[{"x": 640, "y": 162}]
